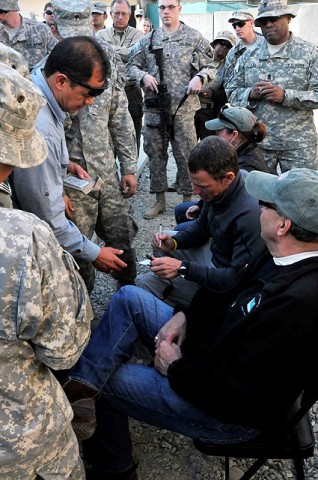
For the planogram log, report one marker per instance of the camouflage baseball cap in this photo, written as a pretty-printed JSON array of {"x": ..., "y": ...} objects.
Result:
[
  {"x": 99, "y": 7},
  {"x": 273, "y": 8},
  {"x": 240, "y": 15},
  {"x": 294, "y": 192},
  {"x": 238, "y": 118},
  {"x": 14, "y": 59},
  {"x": 9, "y": 5},
  {"x": 21, "y": 145},
  {"x": 72, "y": 17},
  {"x": 224, "y": 35}
]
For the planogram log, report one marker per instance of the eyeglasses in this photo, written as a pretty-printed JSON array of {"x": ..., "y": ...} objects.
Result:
[
  {"x": 223, "y": 117},
  {"x": 3, "y": 11},
  {"x": 168, "y": 7},
  {"x": 138, "y": 16},
  {"x": 224, "y": 43},
  {"x": 118, "y": 14},
  {"x": 92, "y": 92},
  {"x": 272, "y": 206},
  {"x": 264, "y": 21},
  {"x": 48, "y": 12},
  {"x": 239, "y": 24}
]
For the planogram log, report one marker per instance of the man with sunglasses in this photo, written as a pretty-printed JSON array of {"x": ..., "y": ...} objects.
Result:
[
  {"x": 278, "y": 79},
  {"x": 243, "y": 25},
  {"x": 74, "y": 74},
  {"x": 48, "y": 14},
  {"x": 212, "y": 96},
  {"x": 29, "y": 37}
]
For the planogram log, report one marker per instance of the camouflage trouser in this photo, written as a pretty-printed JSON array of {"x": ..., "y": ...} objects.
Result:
[
  {"x": 59, "y": 460},
  {"x": 280, "y": 161},
  {"x": 184, "y": 140},
  {"x": 106, "y": 213}
]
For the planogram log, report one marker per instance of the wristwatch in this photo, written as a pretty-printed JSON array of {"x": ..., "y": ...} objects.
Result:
[{"x": 183, "y": 270}]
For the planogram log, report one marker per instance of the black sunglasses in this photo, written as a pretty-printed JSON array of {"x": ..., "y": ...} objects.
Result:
[
  {"x": 48, "y": 12},
  {"x": 92, "y": 92},
  {"x": 223, "y": 117},
  {"x": 239, "y": 24},
  {"x": 264, "y": 21},
  {"x": 224, "y": 43},
  {"x": 3, "y": 11},
  {"x": 272, "y": 206}
]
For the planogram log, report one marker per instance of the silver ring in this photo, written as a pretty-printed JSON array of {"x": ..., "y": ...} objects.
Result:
[
  {"x": 260, "y": 90},
  {"x": 156, "y": 339}
]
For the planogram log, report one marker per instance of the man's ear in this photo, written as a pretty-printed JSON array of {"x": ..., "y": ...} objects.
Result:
[
  {"x": 229, "y": 177},
  {"x": 284, "y": 226},
  {"x": 60, "y": 80}
]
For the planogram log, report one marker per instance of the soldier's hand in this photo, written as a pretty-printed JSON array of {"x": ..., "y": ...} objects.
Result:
[
  {"x": 107, "y": 260},
  {"x": 195, "y": 86},
  {"x": 150, "y": 82},
  {"x": 129, "y": 185},
  {"x": 273, "y": 93}
]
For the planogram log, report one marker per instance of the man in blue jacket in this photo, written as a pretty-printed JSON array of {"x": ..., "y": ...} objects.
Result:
[{"x": 229, "y": 219}]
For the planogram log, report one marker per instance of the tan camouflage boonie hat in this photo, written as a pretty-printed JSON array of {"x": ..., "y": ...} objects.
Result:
[
  {"x": 273, "y": 8},
  {"x": 9, "y": 5},
  {"x": 72, "y": 17},
  {"x": 21, "y": 145},
  {"x": 224, "y": 35},
  {"x": 14, "y": 59}
]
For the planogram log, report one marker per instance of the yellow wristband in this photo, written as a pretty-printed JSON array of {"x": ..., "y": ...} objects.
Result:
[{"x": 175, "y": 245}]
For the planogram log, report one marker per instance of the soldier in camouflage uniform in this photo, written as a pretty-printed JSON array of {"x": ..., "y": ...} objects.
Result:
[
  {"x": 243, "y": 24},
  {"x": 97, "y": 135},
  {"x": 122, "y": 37},
  {"x": 187, "y": 58},
  {"x": 32, "y": 39},
  {"x": 15, "y": 60},
  {"x": 44, "y": 321},
  {"x": 278, "y": 80}
]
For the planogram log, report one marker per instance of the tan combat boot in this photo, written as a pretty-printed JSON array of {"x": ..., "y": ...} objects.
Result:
[
  {"x": 187, "y": 197},
  {"x": 158, "y": 207}
]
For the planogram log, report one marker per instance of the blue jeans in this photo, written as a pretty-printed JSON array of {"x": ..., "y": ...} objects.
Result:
[
  {"x": 180, "y": 214},
  {"x": 137, "y": 391}
]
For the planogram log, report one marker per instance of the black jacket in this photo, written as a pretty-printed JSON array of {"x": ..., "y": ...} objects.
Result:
[
  {"x": 248, "y": 353},
  {"x": 232, "y": 223}
]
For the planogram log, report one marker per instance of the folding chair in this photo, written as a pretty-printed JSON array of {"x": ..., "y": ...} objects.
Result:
[{"x": 293, "y": 440}]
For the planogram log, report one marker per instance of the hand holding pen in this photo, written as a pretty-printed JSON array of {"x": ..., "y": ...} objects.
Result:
[{"x": 163, "y": 241}]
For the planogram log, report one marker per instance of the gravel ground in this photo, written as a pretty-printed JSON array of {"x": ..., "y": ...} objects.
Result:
[{"x": 164, "y": 455}]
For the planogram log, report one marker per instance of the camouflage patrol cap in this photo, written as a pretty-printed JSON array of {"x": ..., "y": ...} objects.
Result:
[
  {"x": 273, "y": 8},
  {"x": 14, "y": 59},
  {"x": 224, "y": 35},
  {"x": 240, "y": 15},
  {"x": 294, "y": 192},
  {"x": 72, "y": 17},
  {"x": 9, "y": 5},
  {"x": 21, "y": 145},
  {"x": 99, "y": 7}
]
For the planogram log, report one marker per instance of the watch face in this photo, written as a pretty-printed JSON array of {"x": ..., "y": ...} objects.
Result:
[{"x": 182, "y": 271}]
